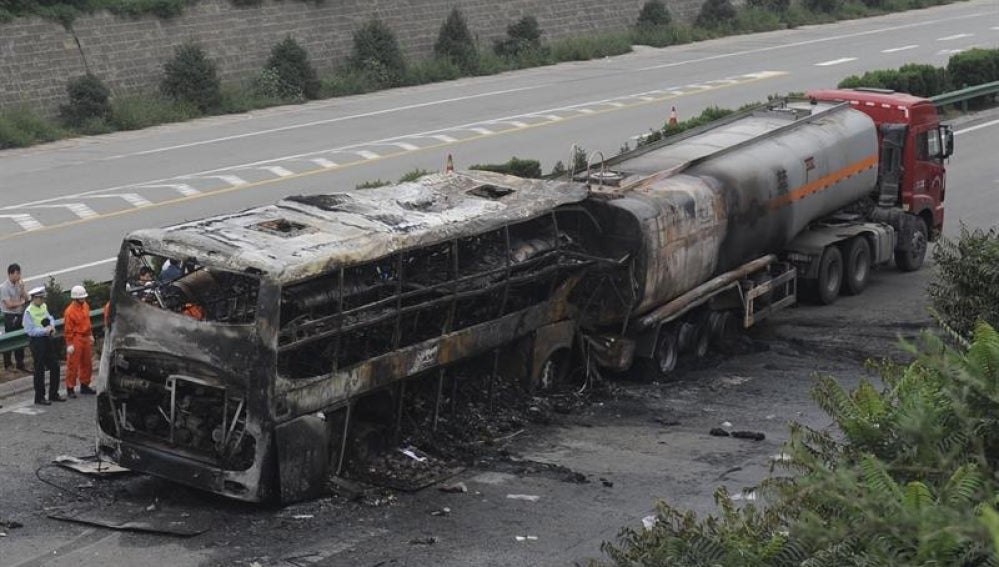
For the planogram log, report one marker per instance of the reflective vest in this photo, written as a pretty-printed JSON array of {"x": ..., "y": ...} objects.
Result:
[{"x": 37, "y": 313}]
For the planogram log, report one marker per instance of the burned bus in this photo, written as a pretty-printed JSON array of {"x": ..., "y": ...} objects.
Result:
[{"x": 237, "y": 370}]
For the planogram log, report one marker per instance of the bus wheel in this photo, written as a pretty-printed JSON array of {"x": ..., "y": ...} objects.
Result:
[
  {"x": 912, "y": 259},
  {"x": 665, "y": 354},
  {"x": 553, "y": 370},
  {"x": 830, "y": 275},
  {"x": 857, "y": 260}
]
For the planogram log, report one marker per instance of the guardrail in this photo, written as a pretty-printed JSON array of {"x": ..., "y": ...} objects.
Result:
[
  {"x": 964, "y": 95},
  {"x": 19, "y": 339}
]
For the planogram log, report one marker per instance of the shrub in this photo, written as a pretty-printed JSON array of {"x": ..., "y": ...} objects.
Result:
[
  {"x": 974, "y": 67},
  {"x": 456, "y": 44},
  {"x": 377, "y": 54},
  {"x": 752, "y": 19},
  {"x": 716, "y": 14},
  {"x": 413, "y": 175},
  {"x": 653, "y": 15},
  {"x": 522, "y": 37},
  {"x": 592, "y": 46},
  {"x": 431, "y": 71},
  {"x": 527, "y": 168},
  {"x": 822, "y": 6},
  {"x": 920, "y": 80},
  {"x": 775, "y": 6},
  {"x": 963, "y": 290},
  {"x": 88, "y": 100},
  {"x": 21, "y": 127},
  {"x": 137, "y": 112},
  {"x": 661, "y": 36},
  {"x": 191, "y": 77},
  {"x": 297, "y": 78}
]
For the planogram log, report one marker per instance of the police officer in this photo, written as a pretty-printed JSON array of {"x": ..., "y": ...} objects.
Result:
[{"x": 40, "y": 328}]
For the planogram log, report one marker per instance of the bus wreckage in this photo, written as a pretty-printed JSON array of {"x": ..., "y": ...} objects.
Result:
[{"x": 240, "y": 370}]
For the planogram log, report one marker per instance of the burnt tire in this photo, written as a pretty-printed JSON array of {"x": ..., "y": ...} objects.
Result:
[
  {"x": 830, "y": 276},
  {"x": 857, "y": 265},
  {"x": 912, "y": 259},
  {"x": 664, "y": 356}
]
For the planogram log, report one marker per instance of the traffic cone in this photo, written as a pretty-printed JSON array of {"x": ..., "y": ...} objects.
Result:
[
  {"x": 449, "y": 166},
  {"x": 672, "y": 117}
]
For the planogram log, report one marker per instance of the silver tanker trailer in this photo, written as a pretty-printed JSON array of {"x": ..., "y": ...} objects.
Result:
[{"x": 727, "y": 223}]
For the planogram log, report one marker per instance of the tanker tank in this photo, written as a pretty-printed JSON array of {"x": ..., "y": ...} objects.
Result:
[{"x": 707, "y": 202}]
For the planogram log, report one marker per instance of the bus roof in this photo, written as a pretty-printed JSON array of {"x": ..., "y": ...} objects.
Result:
[{"x": 303, "y": 236}]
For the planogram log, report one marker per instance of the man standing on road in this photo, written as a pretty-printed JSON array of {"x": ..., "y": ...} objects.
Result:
[
  {"x": 38, "y": 324},
  {"x": 13, "y": 300},
  {"x": 79, "y": 334}
]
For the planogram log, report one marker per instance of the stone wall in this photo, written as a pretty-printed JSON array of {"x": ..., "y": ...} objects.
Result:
[{"x": 38, "y": 57}]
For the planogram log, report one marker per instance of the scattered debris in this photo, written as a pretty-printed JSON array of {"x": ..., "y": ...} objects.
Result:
[
  {"x": 429, "y": 540},
  {"x": 576, "y": 478},
  {"x": 665, "y": 422},
  {"x": 413, "y": 453},
  {"x": 527, "y": 497},
  {"x": 748, "y": 495},
  {"x": 302, "y": 517},
  {"x": 10, "y": 524},
  {"x": 781, "y": 458},
  {"x": 526, "y": 538},
  {"x": 442, "y": 512},
  {"x": 727, "y": 424},
  {"x": 606, "y": 482},
  {"x": 754, "y": 435},
  {"x": 90, "y": 465},
  {"x": 458, "y": 487},
  {"x": 649, "y": 522},
  {"x": 718, "y": 432},
  {"x": 126, "y": 517}
]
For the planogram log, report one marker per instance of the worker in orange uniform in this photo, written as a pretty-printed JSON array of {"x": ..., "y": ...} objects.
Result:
[{"x": 79, "y": 334}]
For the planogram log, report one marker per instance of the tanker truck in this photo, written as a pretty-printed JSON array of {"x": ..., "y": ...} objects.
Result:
[{"x": 728, "y": 223}]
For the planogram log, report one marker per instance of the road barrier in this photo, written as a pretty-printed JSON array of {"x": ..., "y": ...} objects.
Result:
[
  {"x": 964, "y": 95},
  {"x": 19, "y": 339}
]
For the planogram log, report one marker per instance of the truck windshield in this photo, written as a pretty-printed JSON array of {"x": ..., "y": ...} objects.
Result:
[{"x": 188, "y": 288}]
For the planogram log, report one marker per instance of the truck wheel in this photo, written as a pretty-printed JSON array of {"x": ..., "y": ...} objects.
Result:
[
  {"x": 912, "y": 259},
  {"x": 830, "y": 275},
  {"x": 857, "y": 258},
  {"x": 664, "y": 356}
]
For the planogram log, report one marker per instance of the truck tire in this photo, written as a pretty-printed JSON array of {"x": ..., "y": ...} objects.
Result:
[
  {"x": 830, "y": 275},
  {"x": 912, "y": 259},
  {"x": 664, "y": 355},
  {"x": 857, "y": 265}
]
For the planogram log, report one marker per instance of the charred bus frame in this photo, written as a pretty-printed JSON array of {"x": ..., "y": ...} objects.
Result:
[{"x": 315, "y": 302}]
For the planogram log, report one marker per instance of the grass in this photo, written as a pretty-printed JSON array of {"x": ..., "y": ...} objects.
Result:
[{"x": 23, "y": 127}]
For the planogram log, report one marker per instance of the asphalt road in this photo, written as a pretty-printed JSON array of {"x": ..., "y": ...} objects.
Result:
[
  {"x": 617, "y": 440},
  {"x": 65, "y": 207}
]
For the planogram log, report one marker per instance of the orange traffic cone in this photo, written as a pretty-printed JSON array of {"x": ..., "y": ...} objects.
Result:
[
  {"x": 672, "y": 116},
  {"x": 449, "y": 166}
]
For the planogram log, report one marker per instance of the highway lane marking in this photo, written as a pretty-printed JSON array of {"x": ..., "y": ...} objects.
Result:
[
  {"x": 323, "y": 162},
  {"x": 835, "y": 61},
  {"x": 27, "y": 222},
  {"x": 951, "y": 51},
  {"x": 955, "y": 36},
  {"x": 976, "y": 127},
  {"x": 897, "y": 49},
  {"x": 236, "y": 183},
  {"x": 812, "y": 41},
  {"x": 47, "y": 275}
]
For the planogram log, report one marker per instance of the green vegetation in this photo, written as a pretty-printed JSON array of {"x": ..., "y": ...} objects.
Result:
[
  {"x": 905, "y": 480},
  {"x": 527, "y": 168},
  {"x": 964, "y": 290},
  {"x": 456, "y": 45},
  {"x": 89, "y": 101},
  {"x": 191, "y": 87},
  {"x": 288, "y": 74},
  {"x": 190, "y": 77}
]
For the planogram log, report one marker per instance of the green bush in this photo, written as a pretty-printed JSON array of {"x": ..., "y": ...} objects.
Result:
[
  {"x": 585, "y": 47},
  {"x": 377, "y": 54},
  {"x": 654, "y": 14},
  {"x": 431, "y": 71},
  {"x": 963, "y": 290},
  {"x": 522, "y": 37},
  {"x": 297, "y": 78},
  {"x": 21, "y": 127},
  {"x": 917, "y": 79},
  {"x": 822, "y": 6},
  {"x": 716, "y": 14},
  {"x": 527, "y": 168},
  {"x": 191, "y": 77},
  {"x": 89, "y": 99},
  {"x": 672, "y": 34},
  {"x": 753, "y": 19},
  {"x": 775, "y": 6},
  {"x": 974, "y": 67},
  {"x": 413, "y": 175},
  {"x": 142, "y": 111},
  {"x": 456, "y": 44}
]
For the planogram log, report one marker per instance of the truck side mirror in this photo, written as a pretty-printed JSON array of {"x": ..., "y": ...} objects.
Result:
[{"x": 948, "y": 136}]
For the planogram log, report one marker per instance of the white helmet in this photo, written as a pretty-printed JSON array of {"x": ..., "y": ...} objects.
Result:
[{"x": 78, "y": 292}]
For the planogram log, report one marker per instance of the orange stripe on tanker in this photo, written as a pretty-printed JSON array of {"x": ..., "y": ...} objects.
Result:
[{"x": 824, "y": 182}]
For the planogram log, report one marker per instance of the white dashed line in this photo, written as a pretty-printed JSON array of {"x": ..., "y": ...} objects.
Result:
[
  {"x": 956, "y": 36},
  {"x": 48, "y": 275},
  {"x": 615, "y": 104},
  {"x": 133, "y": 199},
  {"x": 482, "y": 131},
  {"x": 78, "y": 209},
  {"x": 278, "y": 170},
  {"x": 950, "y": 51},
  {"x": 182, "y": 188},
  {"x": 367, "y": 154},
  {"x": 444, "y": 138},
  {"x": 27, "y": 222},
  {"x": 323, "y": 162},
  {"x": 230, "y": 179},
  {"x": 585, "y": 110},
  {"x": 835, "y": 61},
  {"x": 405, "y": 146},
  {"x": 897, "y": 49}
]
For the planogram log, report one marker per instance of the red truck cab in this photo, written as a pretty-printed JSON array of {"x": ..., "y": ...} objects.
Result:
[{"x": 913, "y": 146}]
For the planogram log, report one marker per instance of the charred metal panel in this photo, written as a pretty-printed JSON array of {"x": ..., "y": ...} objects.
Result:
[{"x": 303, "y": 456}]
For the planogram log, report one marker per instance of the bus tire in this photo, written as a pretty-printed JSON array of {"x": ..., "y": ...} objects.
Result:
[
  {"x": 857, "y": 265},
  {"x": 664, "y": 356},
  {"x": 830, "y": 275},
  {"x": 912, "y": 259}
]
